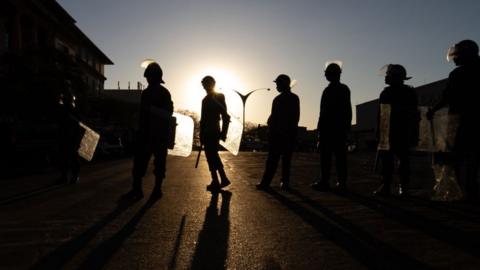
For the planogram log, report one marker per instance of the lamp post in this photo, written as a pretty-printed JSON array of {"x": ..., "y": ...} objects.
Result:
[{"x": 244, "y": 100}]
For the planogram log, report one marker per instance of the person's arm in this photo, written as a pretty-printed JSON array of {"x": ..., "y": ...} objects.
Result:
[
  {"x": 296, "y": 112},
  {"x": 443, "y": 101},
  {"x": 348, "y": 111},
  {"x": 169, "y": 103},
  {"x": 202, "y": 124}
]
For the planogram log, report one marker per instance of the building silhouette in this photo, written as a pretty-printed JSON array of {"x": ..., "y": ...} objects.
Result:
[
  {"x": 41, "y": 52},
  {"x": 42, "y": 36}
]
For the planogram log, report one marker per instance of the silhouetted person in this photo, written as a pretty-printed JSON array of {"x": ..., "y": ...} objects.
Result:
[
  {"x": 333, "y": 125},
  {"x": 70, "y": 134},
  {"x": 403, "y": 133},
  {"x": 156, "y": 108},
  {"x": 462, "y": 96},
  {"x": 214, "y": 108},
  {"x": 282, "y": 127}
]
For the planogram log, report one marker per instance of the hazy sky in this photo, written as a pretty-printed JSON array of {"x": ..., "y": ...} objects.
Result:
[{"x": 245, "y": 44}]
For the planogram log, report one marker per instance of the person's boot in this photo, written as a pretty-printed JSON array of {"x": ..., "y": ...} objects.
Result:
[
  {"x": 285, "y": 184},
  {"x": 63, "y": 179},
  {"x": 157, "y": 189},
  {"x": 214, "y": 185},
  {"x": 341, "y": 186},
  {"x": 383, "y": 190},
  {"x": 136, "y": 193},
  {"x": 403, "y": 190},
  {"x": 74, "y": 179},
  {"x": 224, "y": 179},
  {"x": 320, "y": 185}
]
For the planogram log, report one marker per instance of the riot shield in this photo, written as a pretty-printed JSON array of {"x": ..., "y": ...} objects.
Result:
[
  {"x": 234, "y": 135},
  {"x": 183, "y": 136},
  {"x": 437, "y": 135},
  {"x": 88, "y": 143},
  {"x": 384, "y": 132}
]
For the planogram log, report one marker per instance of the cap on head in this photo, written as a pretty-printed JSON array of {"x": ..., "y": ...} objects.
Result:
[
  {"x": 282, "y": 79},
  {"x": 397, "y": 71},
  {"x": 154, "y": 72}
]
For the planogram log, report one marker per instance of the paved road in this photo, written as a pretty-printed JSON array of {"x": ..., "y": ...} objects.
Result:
[{"x": 83, "y": 227}]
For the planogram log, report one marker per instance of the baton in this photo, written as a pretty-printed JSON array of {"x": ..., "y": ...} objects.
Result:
[
  {"x": 375, "y": 164},
  {"x": 198, "y": 156}
]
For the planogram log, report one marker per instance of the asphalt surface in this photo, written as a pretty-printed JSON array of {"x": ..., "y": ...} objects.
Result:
[{"x": 83, "y": 226}]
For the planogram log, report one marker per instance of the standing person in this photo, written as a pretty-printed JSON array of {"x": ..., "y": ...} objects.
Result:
[
  {"x": 282, "y": 127},
  {"x": 214, "y": 108},
  {"x": 461, "y": 96},
  {"x": 333, "y": 125},
  {"x": 156, "y": 109},
  {"x": 68, "y": 119},
  {"x": 403, "y": 133}
]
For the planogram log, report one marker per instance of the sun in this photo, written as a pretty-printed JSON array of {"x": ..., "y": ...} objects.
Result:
[{"x": 226, "y": 83}]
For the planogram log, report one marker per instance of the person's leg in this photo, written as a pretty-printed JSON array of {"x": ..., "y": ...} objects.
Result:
[
  {"x": 140, "y": 164},
  {"x": 64, "y": 161},
  {"x": 270, "y": 168},
  {"x": 387, "y": 174},
  {"x": 471, "y": 175},
  {"x": 224, "y": 179},
  {"x": 286, "y": 166},
  {"x": 211, "y": 153},
  {"x": 325, "y": 163},
  {"x": 74, "y": 165},
  {"x": 341, "y": 164},
  {"x": 159, "y": 162},
  {"x": 404, "y": 170}
]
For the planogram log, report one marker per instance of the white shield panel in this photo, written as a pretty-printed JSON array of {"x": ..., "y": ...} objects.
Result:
[
  {"x": 88, "y": 143},
  {"x": 183, "y": 136}
]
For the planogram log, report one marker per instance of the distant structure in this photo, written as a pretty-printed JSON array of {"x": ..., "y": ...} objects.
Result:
[
  {"x": 41, "y": 35},
  {"x": 364, "y": 131}
]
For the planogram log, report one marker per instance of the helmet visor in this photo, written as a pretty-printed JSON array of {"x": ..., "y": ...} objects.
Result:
[
  {"x": 451, "y": 53},
  {"x": 146, "y": 62}
]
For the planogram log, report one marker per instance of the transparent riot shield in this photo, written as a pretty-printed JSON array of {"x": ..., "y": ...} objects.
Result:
[
  {"x": 384, "y": 132},
  {"x": 88, "y": 143},
  {"x": 234, "y": 135},
  {"x": 437, "y": 135},
  {"x": 183, "y": 136}
]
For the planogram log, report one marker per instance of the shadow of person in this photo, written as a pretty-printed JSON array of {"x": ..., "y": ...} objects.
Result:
[
  {"x": 212, "y": 245},
  {"x": 373, "y": 252},
  {"x": 101, "y": 254},
  {"x": 65, "y": 252},
  {"x": 440, "y": 228}
]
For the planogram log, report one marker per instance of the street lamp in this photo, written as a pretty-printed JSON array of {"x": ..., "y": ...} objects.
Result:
[{"x": 244, "y": 100}]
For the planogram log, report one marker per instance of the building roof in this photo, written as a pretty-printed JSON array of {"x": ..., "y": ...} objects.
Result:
[{"x": 63, "y": 19}]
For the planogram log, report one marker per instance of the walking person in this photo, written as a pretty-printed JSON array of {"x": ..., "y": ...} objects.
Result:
[
  {"x": 461, "y": 96},
  {"x": 333, "y": 127},
  {"x": 68, "y": 118},
  {"x": 403, "y": 133},
  {"x": 156, "y": 109},
  {"x": 282, "y": 128},
  {"x": 214, "y": 109}
]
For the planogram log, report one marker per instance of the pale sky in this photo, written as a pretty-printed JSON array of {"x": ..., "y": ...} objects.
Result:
[{"x": 245, "y": 44}]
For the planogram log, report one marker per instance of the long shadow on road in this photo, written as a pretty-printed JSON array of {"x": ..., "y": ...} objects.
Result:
[
  {"x": 102, "y": 254},
  {"x": 64, "y": 253},
  {"x": 212, "y": 248},
  {"x": 468, "y": 242},
  {"x": 372, "y": 252}
]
